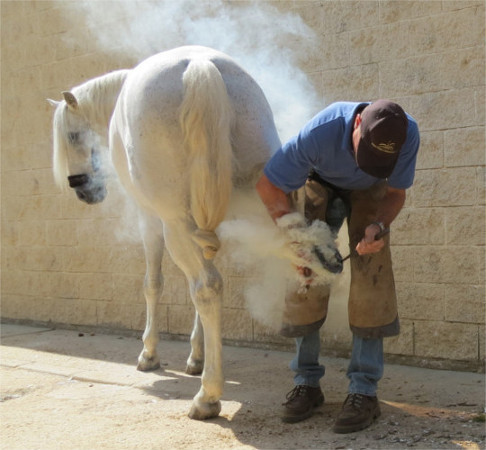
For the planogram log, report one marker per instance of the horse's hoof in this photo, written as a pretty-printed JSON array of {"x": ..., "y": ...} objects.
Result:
[
  {"x": 205, "y": 411},
  {"x": 145, "y": 364},
  {"x": 194, "y": 367}
]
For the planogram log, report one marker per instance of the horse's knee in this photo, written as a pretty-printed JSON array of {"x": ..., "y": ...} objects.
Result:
[{"x": 207, "y": 294}]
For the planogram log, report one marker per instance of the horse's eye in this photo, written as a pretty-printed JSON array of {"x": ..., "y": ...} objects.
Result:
[{"x": 73, "y": 138}]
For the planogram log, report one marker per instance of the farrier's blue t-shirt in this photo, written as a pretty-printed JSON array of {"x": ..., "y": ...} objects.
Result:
[{"x": 325, "y": 145}]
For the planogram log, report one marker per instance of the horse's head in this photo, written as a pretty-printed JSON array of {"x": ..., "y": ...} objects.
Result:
[{"x": 77, "y": 151}]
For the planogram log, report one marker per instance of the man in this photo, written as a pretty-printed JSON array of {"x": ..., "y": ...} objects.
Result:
[{"x": 355, "y": 160}]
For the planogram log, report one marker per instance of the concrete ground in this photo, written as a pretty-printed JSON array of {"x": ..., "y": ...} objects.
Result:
[{"x": 73, "y": 390}]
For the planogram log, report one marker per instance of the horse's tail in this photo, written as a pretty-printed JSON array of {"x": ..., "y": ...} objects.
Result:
[{"x": 206, "y": 117}]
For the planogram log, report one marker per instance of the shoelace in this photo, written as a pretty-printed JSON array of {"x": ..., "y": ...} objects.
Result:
[
  {"x": 297, "y": 391},
  {"x": 355, "y": 400}
]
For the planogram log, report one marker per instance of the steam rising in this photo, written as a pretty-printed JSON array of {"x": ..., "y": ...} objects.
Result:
[{"x": 265, "y": 42}]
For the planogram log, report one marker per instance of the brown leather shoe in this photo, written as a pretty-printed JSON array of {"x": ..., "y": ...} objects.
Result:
[
  {"x": 300, "y": 404},
  {"x": 358, "y": 412}
]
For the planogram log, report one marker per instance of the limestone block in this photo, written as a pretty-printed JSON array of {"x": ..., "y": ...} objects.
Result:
[
  {"x": 97, "y": 232},
  {"x": 480, "y": 107},
  {"x": 419, "y": 226},
  {"x": 459, "y": 265},
  {"x": 95, "y": 286},
  {"x": 39, "y": 207},
  {"x": 54, "y": 284},
  {"x": 422, "y": 301},
  {"x": 234, "y": 296},
  {"x": 87, "y": 259},
  {"x": 447, "y": 187},
  {"x": 236, "y": 325},
  {"x": 333, "y": 51},
  {"x": 456, "y": 341},
  {"x": 181, "y": 319},
  {"x": 340, "y": 17},
  {"x": 465, "y": 304},
  {"x": 402, "y": 258},
  {"x": 311, "y": 12},
  {"x": 32, "y": 233},
  {"x": 480, "y": 185},
  {"x": 126, "y": 259},
  {"x": 176, "y": 291},
  {"x": 39, "y": 308},
  {"x": 457, "y": 29},
  {"x": 452, "y": 5},
  {"x": 61, "y": 232},
  {"x": 482, "y": 341},
  {"x": 79, "y": 312},
  {"x": 403, "y": 343},
  {"x": 10, "y": 232},
  {"x": 128, "y": 288},
  {"x": 454, "y": 106},
  {"x": 72, "y": 208},
  {"x": 393, "y": 11},
  {"x": 465, "y": 225},
  {"x": 169, "y": 268},
  {"x": 35, "y": 258},
  {"x": 50, "y": 21},
  {"x": 355, "y": 82},
  {"x": 464, "y": 147},
  {"x": 120, "y": 315},
  {"x": 431, "y": 151},
  {"x": 367, "y": 47}
]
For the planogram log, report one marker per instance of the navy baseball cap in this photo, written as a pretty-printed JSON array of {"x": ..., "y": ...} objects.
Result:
[{"x": 383, "y": 132}]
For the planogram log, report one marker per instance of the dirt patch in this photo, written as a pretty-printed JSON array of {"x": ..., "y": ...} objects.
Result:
[{"x": 60, "y": 390}]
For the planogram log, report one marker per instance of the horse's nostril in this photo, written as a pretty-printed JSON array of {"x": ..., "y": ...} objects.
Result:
[{"x": 78, "y": 180}]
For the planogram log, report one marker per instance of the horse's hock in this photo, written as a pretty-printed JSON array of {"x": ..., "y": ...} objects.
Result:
[{"x": 71, "y": 264}]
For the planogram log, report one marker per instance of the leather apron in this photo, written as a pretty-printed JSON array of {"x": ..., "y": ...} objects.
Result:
[{"x": 372, "y": 304}]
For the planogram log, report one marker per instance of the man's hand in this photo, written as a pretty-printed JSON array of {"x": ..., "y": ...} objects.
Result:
[{"x": 368, "y": 244}]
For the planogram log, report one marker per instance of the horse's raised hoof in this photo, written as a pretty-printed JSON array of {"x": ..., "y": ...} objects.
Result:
[
  {"x": 145, "y": 364},
  {"x": 205, "y": 410},
  {"x": 194, "y": 367}
]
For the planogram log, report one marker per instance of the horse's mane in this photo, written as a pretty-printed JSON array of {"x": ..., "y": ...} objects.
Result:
[{"x": 96, "y": 101}]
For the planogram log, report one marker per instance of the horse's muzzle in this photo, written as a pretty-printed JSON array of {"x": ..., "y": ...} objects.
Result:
[{"x": 87, "y": 189}]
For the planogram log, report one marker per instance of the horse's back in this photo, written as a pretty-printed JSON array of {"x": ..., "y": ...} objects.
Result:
[{"x": 146, "y": 119}]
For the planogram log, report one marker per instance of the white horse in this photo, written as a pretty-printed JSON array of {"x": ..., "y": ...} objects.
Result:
[{"x": 185, "y": 127}]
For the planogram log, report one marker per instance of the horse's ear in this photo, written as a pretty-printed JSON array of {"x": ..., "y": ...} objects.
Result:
[
  {"x": 70, "y": 100},
  {"x": 52, "y": 102}
]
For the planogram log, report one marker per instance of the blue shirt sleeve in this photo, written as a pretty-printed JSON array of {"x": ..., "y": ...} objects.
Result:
[{"x": 290, "y": 165}]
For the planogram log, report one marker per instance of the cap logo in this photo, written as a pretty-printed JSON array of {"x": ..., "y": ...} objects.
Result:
[{"x": 385, "y": 147}]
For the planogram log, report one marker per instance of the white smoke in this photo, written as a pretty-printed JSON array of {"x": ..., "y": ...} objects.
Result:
[{"x": 269, "y": 44}]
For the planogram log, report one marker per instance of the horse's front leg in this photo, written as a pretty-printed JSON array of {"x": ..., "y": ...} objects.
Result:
[
  {"x": 205, "y": 284},
  {"x": 153, "y": 241},
  {"x": 195, "y": 362}
]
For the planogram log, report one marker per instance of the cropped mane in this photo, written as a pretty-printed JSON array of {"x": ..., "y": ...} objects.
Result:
[{"x": 96, "y": 102}]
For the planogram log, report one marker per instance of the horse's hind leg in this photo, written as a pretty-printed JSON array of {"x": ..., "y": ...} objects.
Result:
[
  {"x": 195, "y": 362},
  {"x": 153, "y": 241},
  {"x": 205, "y": 285}
]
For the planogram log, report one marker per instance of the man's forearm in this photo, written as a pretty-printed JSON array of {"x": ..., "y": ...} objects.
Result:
[
  {"x": 274, "y": 199},
  {"x": 391, "y": 205}
]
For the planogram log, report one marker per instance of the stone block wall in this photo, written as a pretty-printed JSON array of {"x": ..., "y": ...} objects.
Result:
[{"x": 65, "y": 263}]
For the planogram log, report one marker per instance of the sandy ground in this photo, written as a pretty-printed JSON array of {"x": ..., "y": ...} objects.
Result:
[{"x": 70, "y": 390}]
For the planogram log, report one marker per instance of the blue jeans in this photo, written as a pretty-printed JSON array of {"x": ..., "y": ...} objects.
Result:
[{"x": 364, "y": 371}]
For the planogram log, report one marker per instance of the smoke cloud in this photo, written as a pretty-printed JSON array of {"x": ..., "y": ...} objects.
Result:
[{"x": 266, "y": 42}]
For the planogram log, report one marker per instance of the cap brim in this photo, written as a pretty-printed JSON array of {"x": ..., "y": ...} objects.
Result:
[{"x": 375, "y": 164}]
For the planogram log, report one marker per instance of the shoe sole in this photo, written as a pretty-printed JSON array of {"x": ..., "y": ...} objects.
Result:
[
  {"x": 306, "y": 415},
  {"x": 344, "y": 429}
]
